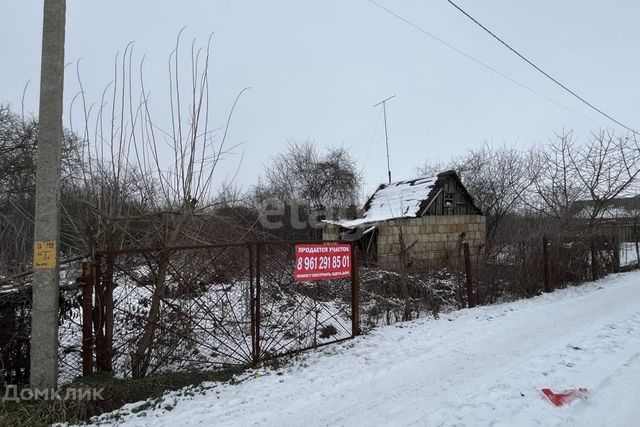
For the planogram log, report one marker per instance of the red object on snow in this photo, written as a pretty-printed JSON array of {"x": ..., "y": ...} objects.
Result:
[{"x": 565, "y": 396}]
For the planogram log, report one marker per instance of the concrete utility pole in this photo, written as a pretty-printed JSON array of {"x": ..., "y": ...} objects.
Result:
[
  {"x": 46, "y": 247},
  {"x": 386, "y": 134}
]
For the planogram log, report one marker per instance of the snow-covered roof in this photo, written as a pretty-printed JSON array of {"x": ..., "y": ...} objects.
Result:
[
  {"x": 401, "y": 199},
  {"x": 618, "y": 208},
  {"x": 613, "y": 212}
]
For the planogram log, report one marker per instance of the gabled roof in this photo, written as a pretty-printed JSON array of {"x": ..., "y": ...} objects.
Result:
[{"x": 401, "y": 199}]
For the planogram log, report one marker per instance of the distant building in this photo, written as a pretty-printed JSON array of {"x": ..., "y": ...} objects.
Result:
[
  {"x": 434, "y": 212},
  {"x": 621, "y": 214}
]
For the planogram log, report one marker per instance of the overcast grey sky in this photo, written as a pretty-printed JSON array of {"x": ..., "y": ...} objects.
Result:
[{"x": 317, "y": 67}]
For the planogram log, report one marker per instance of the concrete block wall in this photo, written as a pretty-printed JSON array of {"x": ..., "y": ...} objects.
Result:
[
  {"x": 330, "y": 232},
  {"x": 438, "y": 238}
]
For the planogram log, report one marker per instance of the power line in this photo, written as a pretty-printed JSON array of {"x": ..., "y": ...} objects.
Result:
[
  {"x": 479, "y": 62},
  {"x": 554, "y": 80}
]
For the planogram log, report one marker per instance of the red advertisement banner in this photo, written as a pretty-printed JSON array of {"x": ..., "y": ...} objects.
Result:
[{"x": 322, "y": 262}]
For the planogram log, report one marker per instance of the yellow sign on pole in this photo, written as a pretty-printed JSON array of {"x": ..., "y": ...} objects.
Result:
[{"x": 44, "y": 255}]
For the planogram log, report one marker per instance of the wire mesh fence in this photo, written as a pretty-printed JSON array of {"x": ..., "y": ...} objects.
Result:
[
  {"x": 191, "y": 306},
  {"x": 295, "y": 316},
  {"x": 410, "y": 283},
  {"x": 526, "y": 267},
  {"x": 15, "y": 326},
  {"x": 200, "y": 308}
]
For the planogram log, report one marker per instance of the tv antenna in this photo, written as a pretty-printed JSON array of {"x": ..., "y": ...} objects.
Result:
[{"x": 386, "y": 133}]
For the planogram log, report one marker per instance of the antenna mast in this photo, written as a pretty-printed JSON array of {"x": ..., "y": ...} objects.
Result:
[{"x": 386, "y": 133}]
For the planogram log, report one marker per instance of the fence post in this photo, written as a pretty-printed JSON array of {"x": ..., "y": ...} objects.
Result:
[
  {"x": 252, "y": 306},
  {"x": 616, "y": 251},
  {"x": 108, "y": 311},
  {"x": 256, "y": 356},
  {"x": 355, "y": 291},
  {"x": 471, "y": 298},
  {"x": 637, "y": 250},
  {"x": 102, "y": 311},
  {"x": 87, "y": 318},
  {"x": 594, "y": 260},
  {"x": 98, "y": 317},
  {"x": 545, "y": 264}
]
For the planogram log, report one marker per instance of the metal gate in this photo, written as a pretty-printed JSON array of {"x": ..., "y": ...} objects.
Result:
[{"x": 202, "y": 307}]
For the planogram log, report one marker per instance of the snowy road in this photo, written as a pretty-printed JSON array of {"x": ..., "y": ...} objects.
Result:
[{"x": 476, "y": 367}]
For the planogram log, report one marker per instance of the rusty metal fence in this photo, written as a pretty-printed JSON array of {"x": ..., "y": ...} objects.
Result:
[
  {"x": 136, "y": 312},
  {"x": 210, "y": 306}
]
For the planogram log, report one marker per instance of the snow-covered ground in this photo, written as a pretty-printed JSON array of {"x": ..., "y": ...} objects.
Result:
[{"x": 477, "y": 367}]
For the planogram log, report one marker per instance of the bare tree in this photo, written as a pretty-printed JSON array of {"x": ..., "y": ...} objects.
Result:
[
  {"x": 496, "y": 178},
  {"x": 404, "y": 251},
  {"x": 145, "y": 186},
  {"x": 18, "y": 142},
  {"x": 555, "y": 182},
  {"x": 320, "y": 182},
  {"x": 429, "y": 168},
  {"x": 605, "y": 167}
]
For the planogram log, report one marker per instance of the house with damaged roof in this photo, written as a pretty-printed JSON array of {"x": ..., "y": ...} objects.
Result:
[{"x": 432, "y": 215}]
